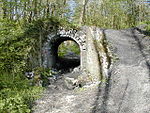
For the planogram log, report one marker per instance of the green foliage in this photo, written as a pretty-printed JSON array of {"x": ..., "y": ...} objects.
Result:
[
  {"x": 71, "y": 47},
  {"x": 42, "y": 75},
  {"x": 148, "y": 26},
  {"x": 20, "y": 43},
  {"x": 16, "y": 94},
  {"x": 115, "y": 14},
  {"x": 13, "y": 47}
]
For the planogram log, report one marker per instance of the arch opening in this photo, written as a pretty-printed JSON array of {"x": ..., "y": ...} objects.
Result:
[
  {"x": 68, "y": 55},
  {"x": 52, "y": 58}
]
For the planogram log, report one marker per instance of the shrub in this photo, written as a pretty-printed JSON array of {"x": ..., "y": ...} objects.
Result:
[{"x": 16, "y": 94}]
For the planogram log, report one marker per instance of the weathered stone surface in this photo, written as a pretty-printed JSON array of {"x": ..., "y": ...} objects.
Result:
[
  {"x": 50, "y": 46},
  {"x": 92, "y": 63}
]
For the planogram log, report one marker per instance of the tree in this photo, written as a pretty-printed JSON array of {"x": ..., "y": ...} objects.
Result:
[{"x": 115, "y": 14}]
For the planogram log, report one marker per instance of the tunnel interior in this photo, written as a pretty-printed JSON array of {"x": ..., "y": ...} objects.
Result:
[{"x": 65, "y": 54}]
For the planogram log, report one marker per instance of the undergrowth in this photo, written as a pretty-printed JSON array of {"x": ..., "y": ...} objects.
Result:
[
  {"x": 19, "y": 52},
  {"x": 17, "y": 94}
]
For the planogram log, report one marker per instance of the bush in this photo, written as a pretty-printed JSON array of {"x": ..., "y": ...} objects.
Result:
[
  {"x": 19, "y": 52},
  {"x": 16, "y": 94}
]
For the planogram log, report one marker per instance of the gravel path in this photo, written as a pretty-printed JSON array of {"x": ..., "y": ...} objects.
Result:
[
  {"x": 128, "y": 87},
  {"x": 57, "y": 99}
]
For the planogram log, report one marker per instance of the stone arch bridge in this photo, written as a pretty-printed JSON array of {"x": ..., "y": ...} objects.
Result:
[
  {"x": 50, "y": 47},
  {"x": 93, "y": 59},
  {"x": 121, "y": 56}
]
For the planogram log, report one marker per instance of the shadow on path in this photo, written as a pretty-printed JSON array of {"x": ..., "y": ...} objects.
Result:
[
  {"x": 105, "y": 96},
  {"x": 139, "y": 44},
  {"x": 105, "y": 89}
]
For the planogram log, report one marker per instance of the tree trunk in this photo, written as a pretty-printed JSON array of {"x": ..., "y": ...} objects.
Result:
[
  {"x": 1, "y": 10},
  {"x": 35, "y": 9},
  {"x": 83, "y": 11},
  {"x": 47, "y": 9},
  {"x": 63, "y": 8}
]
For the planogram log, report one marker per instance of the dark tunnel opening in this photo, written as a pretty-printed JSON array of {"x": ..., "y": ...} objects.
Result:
[{"x": 67, "y": 55}]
